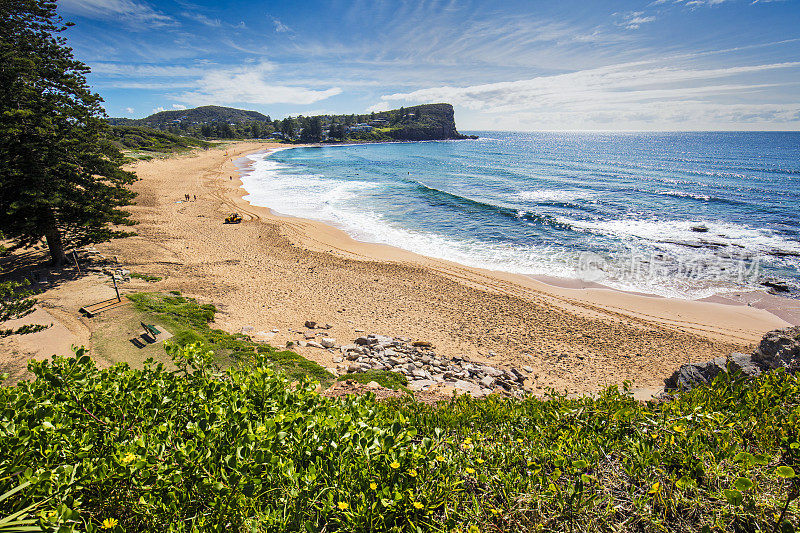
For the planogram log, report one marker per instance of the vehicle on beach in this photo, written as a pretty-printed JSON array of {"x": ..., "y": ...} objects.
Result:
[{"x": 233, "y": 218}]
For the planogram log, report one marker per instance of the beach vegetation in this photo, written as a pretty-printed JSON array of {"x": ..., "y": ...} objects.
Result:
[
  {"x": 189, "y": 321},
  {"x": 61, "y": 177},
  {"x": 146, "y": 277},
  {"x": 144, "y": 141},
  {"x": 384, "y": 378},
  {"x": 201, "y": 449}
]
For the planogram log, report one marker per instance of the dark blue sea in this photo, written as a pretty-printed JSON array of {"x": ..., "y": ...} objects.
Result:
[{"x": 674, "y": 214}]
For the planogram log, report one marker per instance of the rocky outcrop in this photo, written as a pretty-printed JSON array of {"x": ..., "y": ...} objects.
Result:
[
  {"x": 421, "y": 365},
  {"x": 778, "y": 349}
]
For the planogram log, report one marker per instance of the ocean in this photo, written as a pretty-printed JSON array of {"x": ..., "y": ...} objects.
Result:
[{"x": 682, "y": 214}]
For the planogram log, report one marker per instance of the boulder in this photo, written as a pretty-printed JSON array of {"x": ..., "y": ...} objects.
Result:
[
  {"x": 778, "y": 348},
  {"x": 488, "y": 382},
  {"x": 739, "y": 362},
  {"x": 314, "y": 344},
  {"x": 691, "y": 375},
  {"x": 310, "y": 324},
  {"x": 328, "y": 342}
]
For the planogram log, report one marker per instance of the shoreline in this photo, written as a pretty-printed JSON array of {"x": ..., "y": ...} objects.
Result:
[
  {"x": 784, "y": 308},
  {"x": 273, "y": 272}
]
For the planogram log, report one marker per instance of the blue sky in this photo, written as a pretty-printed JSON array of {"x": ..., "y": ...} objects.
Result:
[{"x": 504, "y": 65}]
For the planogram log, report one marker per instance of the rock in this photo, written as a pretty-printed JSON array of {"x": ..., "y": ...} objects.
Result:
[
  {"x": 421, "y": 384},
  {"x": 247, "y": 329},
  {"x": 314, "y": 344},
  {"x": 328, "y": 342},
  {"x": 779, "y": 348},
  {"x": 743, "y": 363},
  {"x": 488, "y": 382},
  {"x": 492, "y": 354},
  {"x": 691, "y": 375},
  {"x": 528, "y": 369},
  {"x": 373, "y": 385},
  {"x": 337, "y": 359},
  {"x": 310, "y": 324},
  {"x": 776, "y": 286},
  {"x": 326, "y": 326},
  {"x": 700, "y": 228},
  {"x": 364, "y": 341},
  {"x": 353, "y": 367},
  {"x": 418, "y": 373},
  {"x": 468, "y": 387},
  {"x": 422, "y": 344}
]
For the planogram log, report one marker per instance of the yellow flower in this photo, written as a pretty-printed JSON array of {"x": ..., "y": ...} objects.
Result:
[
  {"x": 127, "y": 458},
  {"x": 474, "y": 529},
  {"x": 470, "y": 470},
  {"x": 678, "y": 428},
  {"x": 395, "y": 465},
  {"x": 655, "y": 489},
  {"x": 418, "y": 505},
  {"x": 343, "y": 505},
  {"x": 467, "y": 440},
  {"x": 110, "y": 523},
  {"x": 440, "y": 458},
  {"x": 480, "y": 461},
  {"x": 520, "y": 441},
  {"x": 373, "y": 485},
  {"x": 412, "y": 473}
]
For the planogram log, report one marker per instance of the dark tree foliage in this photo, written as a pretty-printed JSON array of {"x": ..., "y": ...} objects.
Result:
[
  {"x": 15, "y": 303},
  {"x": 60, "y": 175}
]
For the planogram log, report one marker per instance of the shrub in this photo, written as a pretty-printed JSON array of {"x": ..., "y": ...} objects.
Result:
[{"x": 197, "y": 449}]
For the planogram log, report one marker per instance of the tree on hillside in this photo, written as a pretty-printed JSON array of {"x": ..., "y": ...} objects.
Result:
[
  {"x": 60, "y": 174},
  {"x": 312, "y": 130}
]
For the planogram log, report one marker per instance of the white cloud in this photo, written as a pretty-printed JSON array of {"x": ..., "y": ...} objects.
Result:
[
  {"x": 632, "y": 92},
  {"x": 202, "y": 19},
  {"x": 129, "y": 110},
  {"x": 280, "y": 27},
  {"x": 250, "y": 84},
  {"x": 158, "y": 109},
  {"x": 634, "y": 19},
  {"x": 178, "y": 106},
  {"x": 128, "y": 11},
  {"x": 147, "y": 70}
]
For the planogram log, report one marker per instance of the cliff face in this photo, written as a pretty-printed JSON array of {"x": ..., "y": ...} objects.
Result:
[{"x": 426, "y": 122}]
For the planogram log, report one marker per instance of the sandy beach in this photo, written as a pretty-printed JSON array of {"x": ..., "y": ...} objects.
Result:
[{"x": 273, "y": 273}]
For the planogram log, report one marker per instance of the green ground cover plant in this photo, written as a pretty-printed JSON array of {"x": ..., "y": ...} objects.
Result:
[
  {"x": 189, "y": 321},
  {"x": 198, "y": 449},
  {"x": 146, "y": 277},
  {"x": 385, "y": 378}
]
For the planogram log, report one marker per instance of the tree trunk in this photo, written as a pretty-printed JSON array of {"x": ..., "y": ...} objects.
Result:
[{"x": 56, "y": 245}]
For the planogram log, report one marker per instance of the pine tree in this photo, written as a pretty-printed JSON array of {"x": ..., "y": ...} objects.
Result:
[{"x": 60, "y": 175}]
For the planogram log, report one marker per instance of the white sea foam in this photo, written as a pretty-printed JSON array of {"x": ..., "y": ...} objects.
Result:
[
  {"x": 346, "y": 204},
  {"x": 747, "y": 239},
  {"x": 552, "y": 195}
]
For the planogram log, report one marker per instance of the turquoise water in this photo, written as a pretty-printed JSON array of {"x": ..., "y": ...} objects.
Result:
[{"x": 675, "y": 214}]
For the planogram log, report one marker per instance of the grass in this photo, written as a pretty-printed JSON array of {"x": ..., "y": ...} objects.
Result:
[
  {"x": 146, "y": 277},
  {"x": 189, "y": 321},
  {"x": 385, "y": 378}
]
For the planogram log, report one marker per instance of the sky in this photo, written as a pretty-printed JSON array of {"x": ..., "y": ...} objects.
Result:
[{"x": 504, "y": 65}]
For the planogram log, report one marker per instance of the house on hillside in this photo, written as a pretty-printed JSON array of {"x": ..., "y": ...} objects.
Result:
[
  {"x": 378, "y": 122},
  {"x": 360, "y": 127}
]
